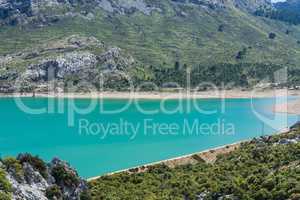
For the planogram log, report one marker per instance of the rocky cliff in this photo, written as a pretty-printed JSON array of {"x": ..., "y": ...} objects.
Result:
[
  {"x": 29, "y": 178},
  {"x": 75, "y": 63},
  {"x": 15, "y": 12},
  {"x": 249, "y": 5}
]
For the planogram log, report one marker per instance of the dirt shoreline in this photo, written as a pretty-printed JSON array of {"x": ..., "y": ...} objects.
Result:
[
  {"x": 209, "y": 156},
  {"x": 292, "y": 107},
  {"x": 225, "y": 94}
]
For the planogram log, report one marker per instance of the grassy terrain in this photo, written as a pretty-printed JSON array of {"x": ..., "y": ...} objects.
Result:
[
  {"x": 193, "y": 39},
  {"x": 258, "y": 170}
]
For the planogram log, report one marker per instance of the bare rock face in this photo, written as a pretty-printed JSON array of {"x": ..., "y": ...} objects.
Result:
[
  {"x": 113, "y": 60},
  {"x": 31, "y": 188},
  {"x": 78, "y": 66},
  {"x": 248, "y": 5},
  {"x": 77, "y": 63},
  {"x": 126, "y": 6},
  {"x": 252, "y": 5},
  {"x": 71, "y": 187},
  {"x": 58, "y": 68},
  {"x": 74, "y": 60},
  {"x": 13, "y": 12}
]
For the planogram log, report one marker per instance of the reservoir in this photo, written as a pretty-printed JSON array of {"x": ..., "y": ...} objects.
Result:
[{"x": 102, "y": 136}]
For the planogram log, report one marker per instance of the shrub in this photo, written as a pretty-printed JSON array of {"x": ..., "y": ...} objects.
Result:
[
  {"x": 177, "y": 66},
  {"x": 4, "y": 196},
  {"x": 54, "y": 193},
  {"x": 65, "y": 176},
  {"x": 5, "y": 186},
  {"x": 221, "y": 28},
  {"x": 4, "y": 183},
  {"x": 272, "y": 35},
  {"x": 13, "y": 165},
  {"x": 35, "y": 162},
  {"x": 85, "y": 195},
  {"x": 241, "y": 54}
]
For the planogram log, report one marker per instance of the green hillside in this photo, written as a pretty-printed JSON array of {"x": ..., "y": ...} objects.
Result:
[
  {"x": 263, "y": 169},
  {"x": 181, "y": 34}
]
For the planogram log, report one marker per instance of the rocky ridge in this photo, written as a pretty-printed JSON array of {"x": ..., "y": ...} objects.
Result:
[
  {"x": 13, "y": 12},
  {"x": 249, "y": 5},
  {"x": 75, "y": 60},
  {"x": 32, "y": 179}
]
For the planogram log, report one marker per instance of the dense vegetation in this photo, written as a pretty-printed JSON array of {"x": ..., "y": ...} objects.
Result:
[
  {"x": 233, "y": 75},
  {"x": 263, "y": 169},
  {"x": 288, "y": 11}
]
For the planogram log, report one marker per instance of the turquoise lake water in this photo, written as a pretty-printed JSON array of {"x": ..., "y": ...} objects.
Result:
[{"x": 97, "y": 142}]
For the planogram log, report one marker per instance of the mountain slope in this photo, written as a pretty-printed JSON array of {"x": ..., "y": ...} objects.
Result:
[{"x": 159, "y": 35}]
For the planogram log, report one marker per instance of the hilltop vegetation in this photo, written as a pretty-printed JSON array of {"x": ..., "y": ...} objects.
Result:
[
  {"x": 267, "y": 168},
  {"x": 205, "y": 36}
]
